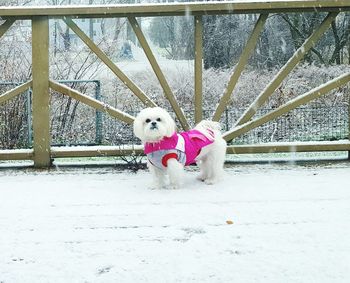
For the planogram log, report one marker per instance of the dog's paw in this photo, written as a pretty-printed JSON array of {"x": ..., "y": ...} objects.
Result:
[
  {"x": 200, "y": 178},
  {"x": 174, "y": 186},
  {"x": 152, "y": 187},
  {"x": 156, "y": 186},
  {"x": 210, "y": 181}
]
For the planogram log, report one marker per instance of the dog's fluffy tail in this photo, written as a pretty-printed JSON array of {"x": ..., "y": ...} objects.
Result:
[
  {"x": 212, "y": 125},
  {"x": 208, "y": 128}
]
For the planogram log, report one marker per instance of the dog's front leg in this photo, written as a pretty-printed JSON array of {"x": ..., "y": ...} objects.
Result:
[
  {"x": 175, "y": 172},
  {"x": 158, "y": 176}
]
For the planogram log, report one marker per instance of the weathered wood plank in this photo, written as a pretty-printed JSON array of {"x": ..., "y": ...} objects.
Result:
[
  {"x": 41, "y": 97},
  {"x": 98, "y": 105},
  {"x": 286, "y": 69},
  {"x": 91, "y": 151},
  {"x": 289, "y": 147},
  {"x": 250, "y": 46},
  {"x": 96, "y": 151},
  {"x": 198, "y": 69},
  {"x": 16, "y": 154},
  {"x": 109, "y": 63},
  {"x": 165, "y": 9},
  {"x": 292, "y": 104},
  {"x": 5, "y": 26},
  {"x": 161, "y": 78},
  {"x": 14, "y": 92}
]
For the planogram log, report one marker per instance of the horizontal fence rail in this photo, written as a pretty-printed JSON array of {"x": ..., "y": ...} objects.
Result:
[
  {"x": 178, "y": 9},
  {"x": 41, "y": 84}
]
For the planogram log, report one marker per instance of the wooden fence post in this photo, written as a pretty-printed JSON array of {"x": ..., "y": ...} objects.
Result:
[
  {"x": 41, "y": 96},
  {"x": 349, "y": 125},
  {"x": 198, "y": 69}
]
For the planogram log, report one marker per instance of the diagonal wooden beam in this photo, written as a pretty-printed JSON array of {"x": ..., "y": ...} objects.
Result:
[
  {"x": 5, "y": 26},
  {"x": 14, "y": 92},
  {"x": 292, "y": 104},
  {"x": 287, "y": 68},
  {"x": 198, "y": 69},
  {"x": 242, "y": 62},
  {"x": 113, "y": 67},
  {"x": 94, "y": 103},
  {"x": 161, "y": 78}
]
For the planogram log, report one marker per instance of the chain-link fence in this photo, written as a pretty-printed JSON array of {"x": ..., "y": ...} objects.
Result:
[
  {"x": 307, "y": 123},
  {"x": 73, "y": 123},
  {"x": 15, "y": 119},
  {"x": 312, "y": 123}
]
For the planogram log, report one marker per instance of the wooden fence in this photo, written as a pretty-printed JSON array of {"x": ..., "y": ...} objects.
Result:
[{"x": 42, "y": 153}]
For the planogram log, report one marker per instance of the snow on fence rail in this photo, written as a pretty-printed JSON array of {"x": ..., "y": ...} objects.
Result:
[{"x": 41, "y": 83}]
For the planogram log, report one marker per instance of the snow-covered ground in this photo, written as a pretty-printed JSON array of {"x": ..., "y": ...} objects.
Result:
[{"x": 291, "y": 223}]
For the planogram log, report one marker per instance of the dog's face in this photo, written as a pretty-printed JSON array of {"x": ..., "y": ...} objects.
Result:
[{"x": 153, "y": 124}]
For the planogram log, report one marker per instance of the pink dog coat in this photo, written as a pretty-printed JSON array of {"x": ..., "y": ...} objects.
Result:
[{"x": 185, "y": 147}]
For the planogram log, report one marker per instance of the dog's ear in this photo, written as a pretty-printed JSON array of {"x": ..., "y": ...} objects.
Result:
[
  {"x": 171, "y": 126},
  {"x": 138, "y": 128}
]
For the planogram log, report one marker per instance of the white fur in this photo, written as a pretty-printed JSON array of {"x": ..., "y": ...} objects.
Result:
[{"x": 153, "y": 124}]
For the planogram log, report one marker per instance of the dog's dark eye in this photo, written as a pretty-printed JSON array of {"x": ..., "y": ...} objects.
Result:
[
  {"x": 148, "y": 120},
  {"x": 158, "y": 119}
]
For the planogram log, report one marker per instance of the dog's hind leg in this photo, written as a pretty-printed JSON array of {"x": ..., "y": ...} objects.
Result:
[
  {"x": 217, "y": 168},
  {"x": 203, "y": 170},
  {"x": 213, "y": 162}
]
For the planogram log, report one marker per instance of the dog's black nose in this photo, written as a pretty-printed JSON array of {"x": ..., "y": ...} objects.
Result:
[{"x": 154, "y": 123}]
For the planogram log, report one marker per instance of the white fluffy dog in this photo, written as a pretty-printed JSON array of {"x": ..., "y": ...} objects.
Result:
[{"x": 168, "y": 151}]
